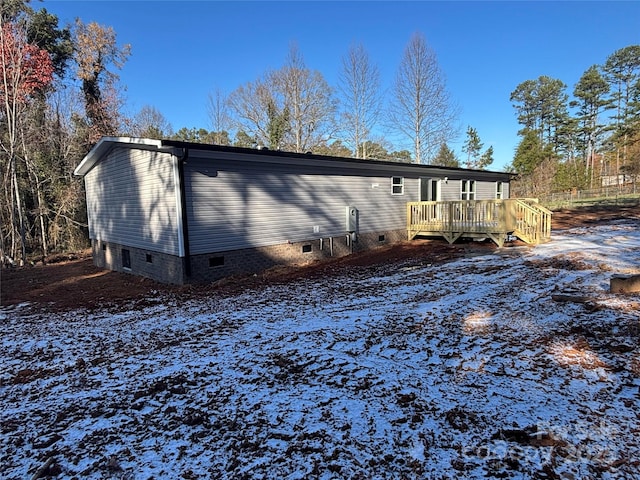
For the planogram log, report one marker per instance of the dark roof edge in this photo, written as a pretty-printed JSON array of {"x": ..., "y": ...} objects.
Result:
[
  {"x": 105, "y": 144},
  {"x": 309, "y": 156}
]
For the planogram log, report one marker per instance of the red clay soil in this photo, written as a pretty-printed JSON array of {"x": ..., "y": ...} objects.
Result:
[{"x": 74, "y": 282}]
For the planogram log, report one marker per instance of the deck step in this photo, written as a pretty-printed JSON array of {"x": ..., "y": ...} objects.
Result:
[{"x": 495, "y": 219}]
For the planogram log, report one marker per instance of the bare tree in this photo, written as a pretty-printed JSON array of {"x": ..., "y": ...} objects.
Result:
[
  {"x": 359, "y": 86},
  {"x": 291, "y": 108},
  {"x": 250, "y": 103},
  {"x": 66, "y": 217},
  {"x": 422, "y": 110},
  {"x": 150, "y": 122},
  {"x": 96, "y": 51},
  {"x": 218, "y": 109},
  {"x": 308, "y": 101},
  {"x": 25, "y": 69}
]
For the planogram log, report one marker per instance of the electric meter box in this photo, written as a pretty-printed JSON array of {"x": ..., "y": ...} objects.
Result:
[{"x": 351, "y": 219}]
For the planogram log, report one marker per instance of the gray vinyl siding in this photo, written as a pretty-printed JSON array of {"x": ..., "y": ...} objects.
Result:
[
  {"x": 485, "y": 190},
  {"x": 132, "y": 200},
  {"x": 505, "y": 190},
  {"x": 242, "y": 204},
  {"x": 450, "y": 191}
]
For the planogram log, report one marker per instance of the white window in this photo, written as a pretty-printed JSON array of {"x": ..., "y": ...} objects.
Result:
[
  {"x": 397, "y": 185},
  {"x": 468, "y": 190},
  {"x": 499, "y": 190}
]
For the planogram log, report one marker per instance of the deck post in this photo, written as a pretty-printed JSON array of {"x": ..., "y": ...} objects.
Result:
[{"x": 493, "y": 219}]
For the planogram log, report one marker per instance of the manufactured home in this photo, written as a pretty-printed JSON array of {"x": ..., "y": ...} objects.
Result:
[{"x": 183, "y": 212}]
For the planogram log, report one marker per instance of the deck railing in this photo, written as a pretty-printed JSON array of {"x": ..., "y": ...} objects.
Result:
[
  {"x": 533, "y": 221},
  {"x": 495, "y": 219}
]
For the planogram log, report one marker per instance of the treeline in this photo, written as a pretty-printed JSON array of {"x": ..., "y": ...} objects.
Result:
[
  {"x": 58, "y": 96},
  {"x": 294, "y": 108},
  {"x": 587, "y": 140},
  {"x": 60, "y": 93}
]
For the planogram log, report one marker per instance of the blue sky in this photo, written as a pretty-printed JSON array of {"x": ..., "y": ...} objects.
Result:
[{"x": 182, "y": 51}]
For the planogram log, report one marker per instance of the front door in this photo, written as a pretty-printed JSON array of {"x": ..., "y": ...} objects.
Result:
[
  {"x": 429, "y": 189},
  {"x": 434, "y": 191}
]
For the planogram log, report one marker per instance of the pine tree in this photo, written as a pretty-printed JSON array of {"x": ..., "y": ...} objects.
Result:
[
  {"x": 472, "y": 147},
  {"x": 445, "y": 157},
  {"x": 590, "y": 92}
]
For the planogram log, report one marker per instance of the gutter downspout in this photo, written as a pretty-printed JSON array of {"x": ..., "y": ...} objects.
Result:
[{"x": 186, "y": 261}]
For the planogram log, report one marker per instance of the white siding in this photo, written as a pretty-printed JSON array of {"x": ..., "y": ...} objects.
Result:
[{"x": 132, "y": 200}]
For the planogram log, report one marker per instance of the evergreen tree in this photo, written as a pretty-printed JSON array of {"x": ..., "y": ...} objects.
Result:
[
  {"x": 590, "y": 92},
  {"x": 278, "y": 125},
  {"x": 445, "y": 157},
  {"x": 529, "y": 154},
  {"x": 535, "y": 165},
  {"x": 243, "y": 139},
  {"x": 622, "y": 70},
  {"x": 541, "y": 106},
  {"x": 400, "y": 156},
  {"x": 486, "y": 158},
  {"x": 335, "y": 149},
  {"x": 473, "y": 148},
  {"x": 44, "y": 32}
]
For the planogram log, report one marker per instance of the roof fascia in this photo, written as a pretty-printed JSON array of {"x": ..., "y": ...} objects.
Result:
[
  {"x": 393, "y": 168},
  {"x": 207, "y": 151},
  {"x": 106, "y": 144}
]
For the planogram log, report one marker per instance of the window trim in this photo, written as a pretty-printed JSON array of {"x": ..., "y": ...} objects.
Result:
[
  {"x": 499, "y": 190},
  {"x": 468, "y": 193},
  {"x": 395, "y": 185}
]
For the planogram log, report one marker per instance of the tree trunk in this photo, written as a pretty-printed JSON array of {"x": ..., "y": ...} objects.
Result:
[
  {"x": 43, "y": 230},
  {"x": 20, "y": 213}
]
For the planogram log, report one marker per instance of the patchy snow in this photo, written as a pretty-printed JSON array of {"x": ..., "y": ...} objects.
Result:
[{"x": 466, "y": 369}]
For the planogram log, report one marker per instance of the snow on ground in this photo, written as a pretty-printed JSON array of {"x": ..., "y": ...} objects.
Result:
[{"x": 466, "y": 369}]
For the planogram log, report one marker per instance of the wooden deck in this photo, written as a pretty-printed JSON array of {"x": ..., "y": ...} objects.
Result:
[{"x": 494, "y": 219}]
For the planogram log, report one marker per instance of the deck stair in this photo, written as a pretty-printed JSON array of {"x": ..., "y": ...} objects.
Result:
[
  {"x": 533, "y": 221},
  {"x": 524, "y": 218}
]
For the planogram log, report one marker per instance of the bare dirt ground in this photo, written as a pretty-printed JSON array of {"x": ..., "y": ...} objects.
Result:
[
  {"x": 370, "y": 366},
  {"x": 72, "y": 281}
]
